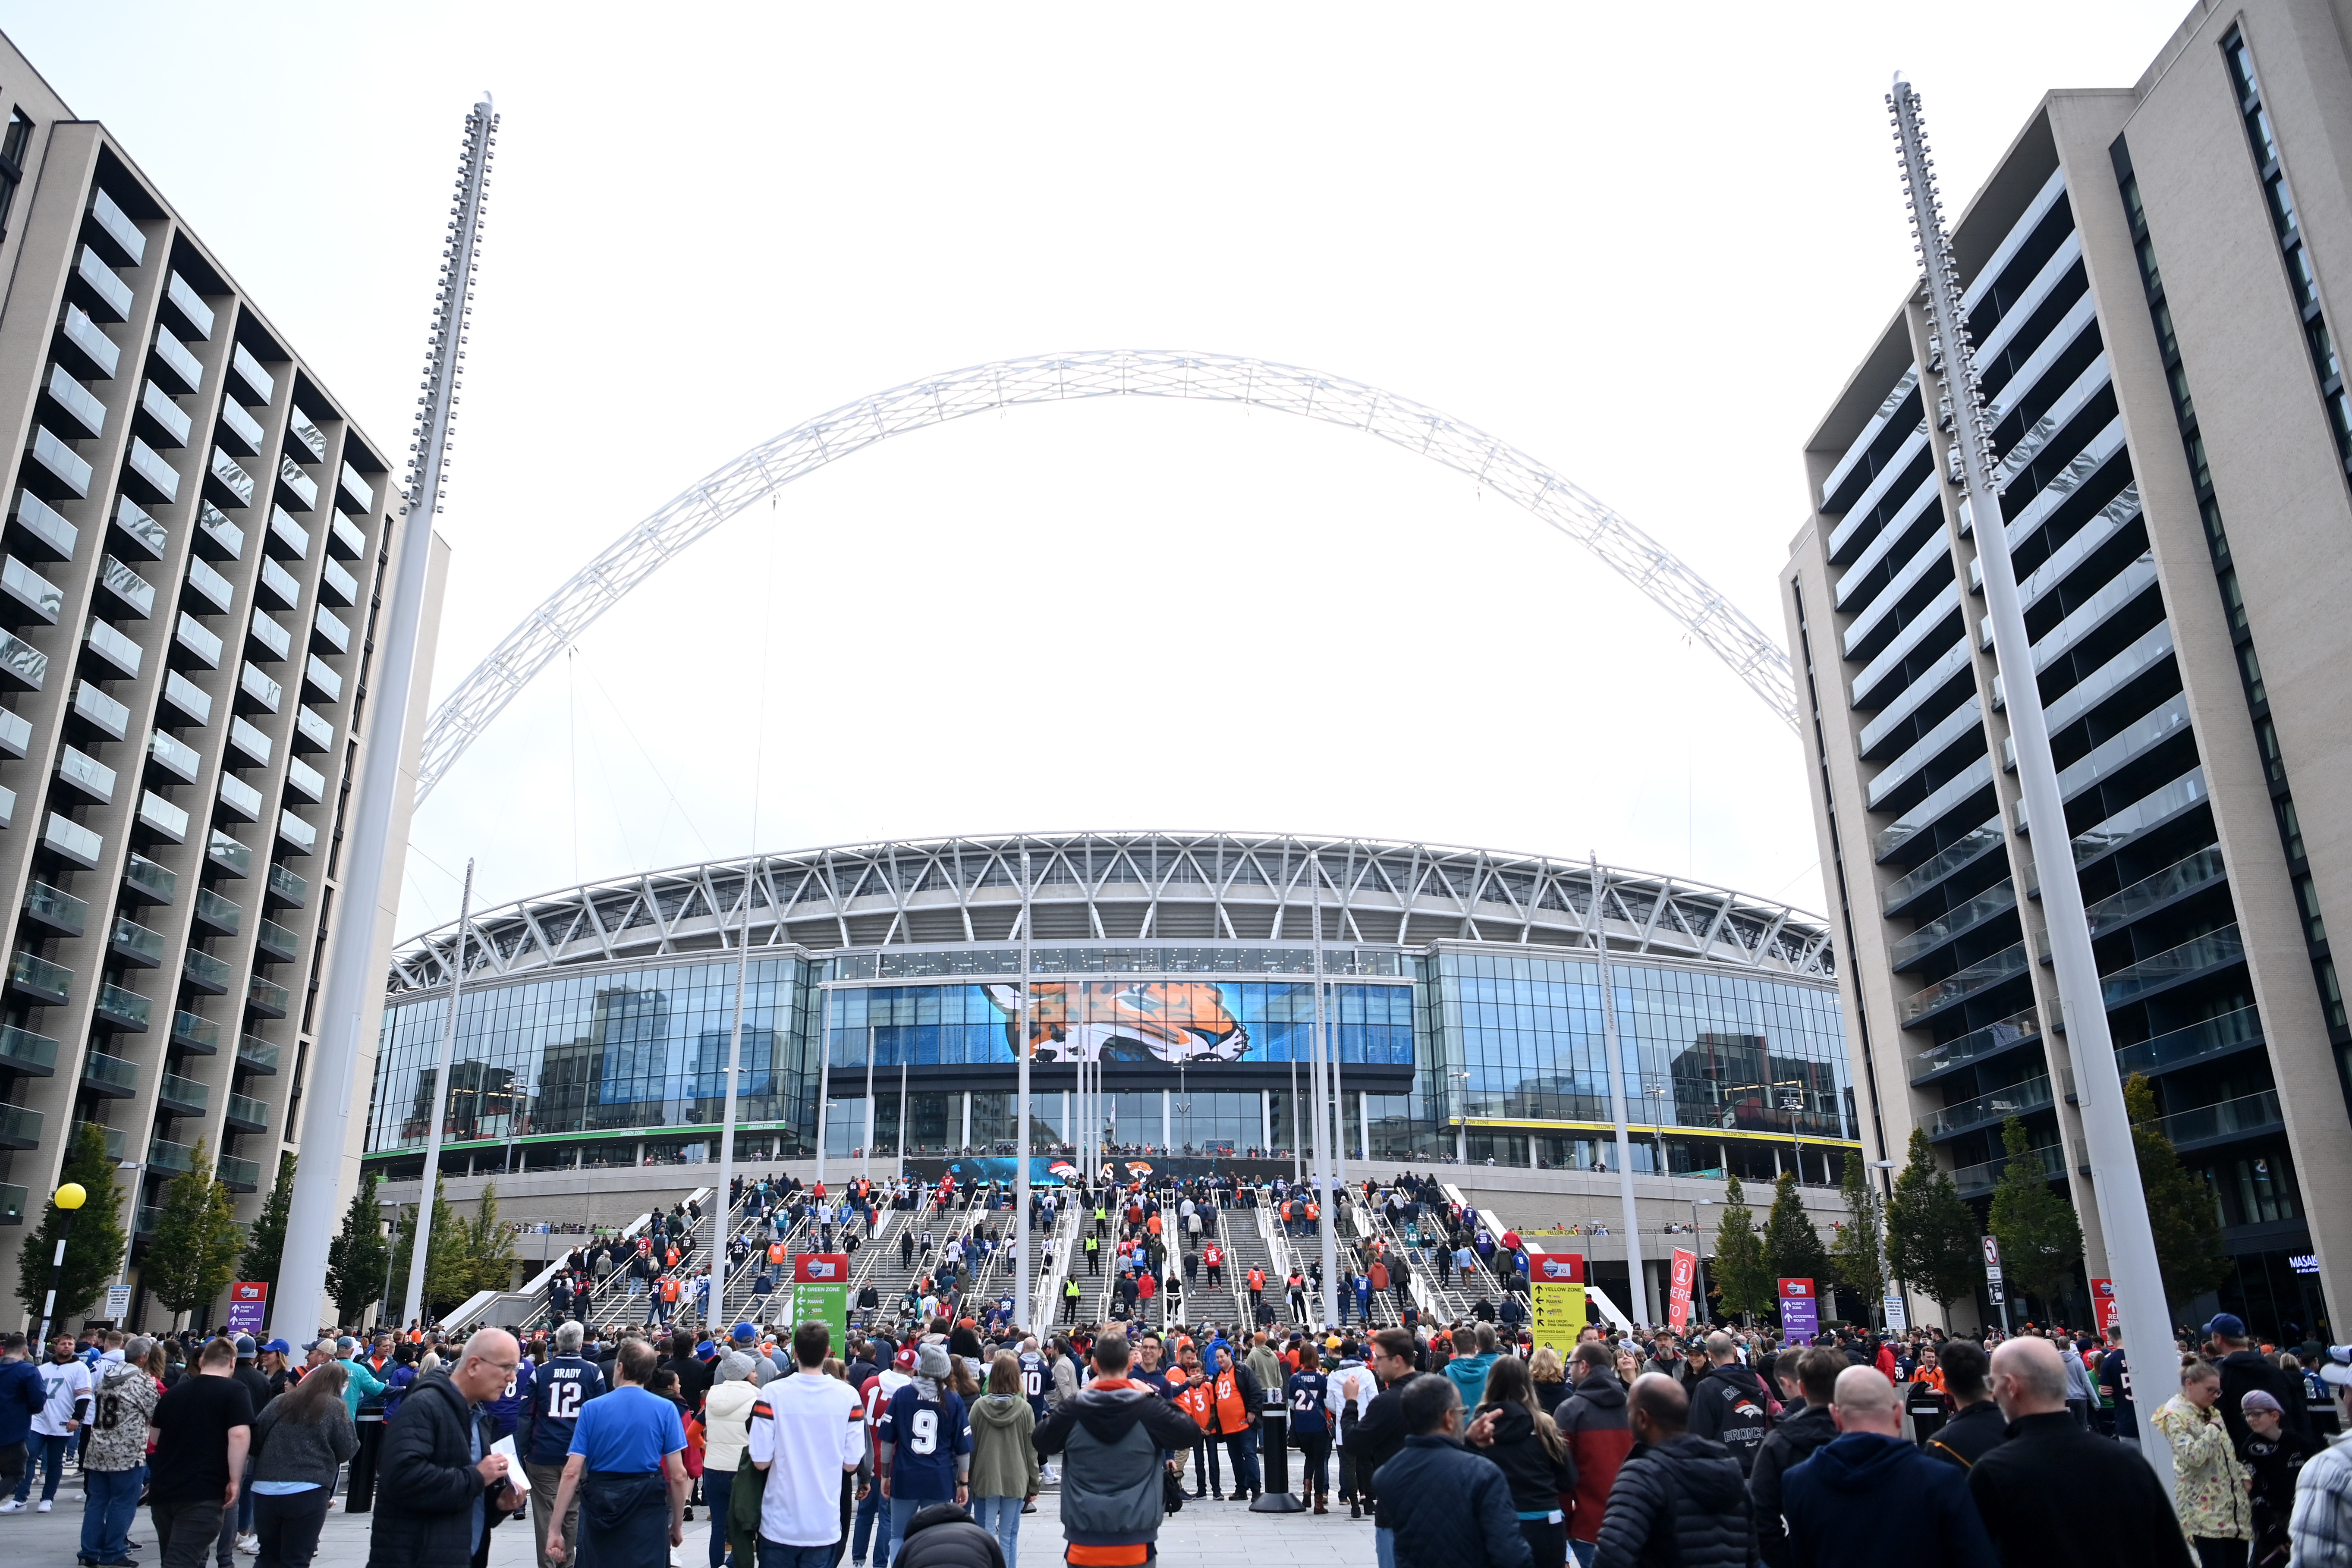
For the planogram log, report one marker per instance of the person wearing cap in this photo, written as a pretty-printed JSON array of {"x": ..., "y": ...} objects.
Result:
[
  {"x": 2277, "y": 1456},
  {"x": 274, "y": 1365},
  {"x": 2243, "y": 1369}
]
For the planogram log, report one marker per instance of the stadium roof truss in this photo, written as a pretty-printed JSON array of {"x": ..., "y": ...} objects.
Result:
[
  {"x": 1712, "y": 620},
  {"x": 1173, "y": 889}
]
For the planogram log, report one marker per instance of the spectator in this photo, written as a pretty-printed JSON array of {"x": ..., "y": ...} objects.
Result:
[
  {"x": 1468, "y": 1373},
  {"x": 945, "y": 1536},
  {"x": 557, "y": 1392},
  {"x": 2209, "y": 1483},
  {"x": 2277, "y": 1456},
  {"x": 726, "y": 1425},
  {"x": 804, "y": 1435},
  {"x": 65, "y": 1387},
  {"x": 1977, "y": 1426},
  {"x": 2320, "y": 1528},
  {"x": 626, "y": 1469},
  {"x": 204, "y": 1428},
  {"x": 1512, "y": 1430},
  {"x": 2029, "y": 1490},
  {"x": 2243, "y": 1368},
  {"x": 1110, "y": 1435},
  {"x": 1600, "y": 1435},
  {"x": 1381, "y": 1436},
  {"x": 1729, "y": 1405},
  {"x": 22, "y": 1397},
  {"x": 452, "y": 1490},
  {"x": 1003, "y": 1455},
  {"x": 1449, "y": 1508},
  {"x": 1679, "y": 1499},
  {"x": 114, "y": 1465},
  {"x": 1809, "y": 1376},
  {"x": 923, "y": 1443},
  {"x": 1869, "y": 1498},
  {"x": 300, "y": 1440}
]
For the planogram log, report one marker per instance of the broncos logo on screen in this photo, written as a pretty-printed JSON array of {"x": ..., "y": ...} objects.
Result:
[{"x": 1125, "y": 1021}]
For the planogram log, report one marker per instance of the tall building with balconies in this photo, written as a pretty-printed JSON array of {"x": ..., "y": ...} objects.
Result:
[
  {"x": 195, "y": 541},
  {"x": 2151, "y": 275}
]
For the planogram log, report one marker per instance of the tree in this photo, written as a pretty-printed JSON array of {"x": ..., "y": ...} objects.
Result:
[
  {"x": 2041, "y": 1238},
  {"x": 1742, "y": 1281},
  {"x": 265, "y": 1243},
  {"x": 489, "y": 1244},
  {"x": 95, "y": 1248},
  {"x": 1792, "y": 1246},
  {"x": 2180, "y": 1210},
  {"x": 191, "y": 1254},
  {"x": 448, "y": 1261},
  {"x": 356, "y": 1258},
  {"x": 1931, "y": 1232},
  {"x": 1855, "y": 1260}
]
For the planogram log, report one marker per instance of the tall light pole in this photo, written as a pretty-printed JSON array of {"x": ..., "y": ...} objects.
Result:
[
  {"x": 412, "y": 1306},
  {"x": 354, "y": 985},
  {"x": 1028, "y": 1307},
  {"x": 1699, "y": 1251},
  {"x": 722, "y": 1222},
  {"x": 2106, "y": 1125}
]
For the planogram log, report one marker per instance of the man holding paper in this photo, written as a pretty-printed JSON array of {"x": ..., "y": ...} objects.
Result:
[{"x": 626, "y": 1469}]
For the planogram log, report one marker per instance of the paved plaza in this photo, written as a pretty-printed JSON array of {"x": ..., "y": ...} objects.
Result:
[{"x": 1207, "y": 1534}]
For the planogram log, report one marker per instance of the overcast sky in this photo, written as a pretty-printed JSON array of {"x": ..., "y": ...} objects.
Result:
[{"x": 1645, "y": 244}]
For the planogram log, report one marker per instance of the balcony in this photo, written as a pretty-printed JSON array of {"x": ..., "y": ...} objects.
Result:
[
  {"x": 55, "y": 911},
  {"x": 1975, "y": 1180},
  {"x": 292, "y": 830},
  {"x": 286, "y": 889},
  {"x": 228, "y": 482},
  {"x": 12, "y": 1199},
  {"x": 246, "y": 1114},
  {"x": 112, "y": 1137},
  {"x": 239, "y": 799},
  {"x": 227, "y": 854},
  {"x": 148, "y": 882},
  {"x": 84, "y": 415},
  {"x": 94, "y": 709},
  {"x": 148, "y": 1217},
  {"x": 46, "y": 535},
  {"x": 256, "y": 380},
  {"x": 288, "y": 539},
  {"x": 306, "y": 781},
  {"x": 162, "y": 818},
  {"x": 112, "y": 233},
  {"x": 109, "y": 1076},
  {"x": 56, "y": 472},
  {"x": 183, "y": 1095},
  {"x": 173, "y": 364},
  {"x": 196, "y": 316},
  {"x": 267, "y": 998},
  {"x": 119, "y": 654},
  {"x": 21, "y": 1050},
  {"x": 328, "y": 632},
  {"x": 135, "y": 944},
  {"x": 2245, "y": 1116},
  {"x": 276, "y": 941},
  {"x": 81, "y": 344},
  {"x": 194, "y": 1033},
  {"x": 23, "y": 666},
  {"x": 32, "y": 596},
  {"x": 255, "y": 692},
  {"x": 2177, "y": 880},
  {"x": 216, "y": 536},
  {"x": 1999, "y": 1105},
  {"x": 71, "y": 841},
  {"x": 132, "y": 594},
  {"x": 171, "y": 1159},
  {"x": 85, "y": 775},
  {"x": 238, "y": 1175},
  {"x": 16, "y": 734},
  {"x": 173, "y": 756},
  {"x": 2200, "y": 1042},
  {"x": 201, "y": 643},
  {"x": 313, "y": 731},
  {"x": 302, "y": 432},
  {"x": 142, "y": 533},
  {"x": 321, "y": 683},
  {"x": 344, "y": 539},
  {"x": 337, "y": 586},
  {"x": 2149, "y": 812},
  {"x": 126, "y": 1012},
  {"x": 296, "y": 486},
  {"x": 353, "y": 493},
  {"x": 240, "y": 431},
  {"x": 207, "y": 973},
  {"x": 265, "y": 638},
  {"x": 280, "y": 584},
  {"x": 256, "y": 1055},
  {"x": 97, "y": 288},
  {"x": 249, "y": 741},
  {"x": 1982, "y": 975},
  {"x": 2215, "y": 950},
  {"x": 193, "y": 705},
  {"x": 164, "y": 421},
  {"x": 20, "y": 1127},
  {"x": 219, "y": 916},
  {"x": 1987, "y": 905}
]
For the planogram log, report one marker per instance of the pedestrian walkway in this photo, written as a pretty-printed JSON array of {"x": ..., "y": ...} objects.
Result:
[{"x": 1205, "y": 1536}]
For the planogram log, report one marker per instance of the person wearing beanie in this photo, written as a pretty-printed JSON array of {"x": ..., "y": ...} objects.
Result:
[
  {"x": 923, "y": 1443},
  {"x": 726, "y": 1422}
]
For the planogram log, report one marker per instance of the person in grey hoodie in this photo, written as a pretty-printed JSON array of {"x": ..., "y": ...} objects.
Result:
[
  {"x": 1003, "y": 1455},
  {"x": 299, "y": 1440}
]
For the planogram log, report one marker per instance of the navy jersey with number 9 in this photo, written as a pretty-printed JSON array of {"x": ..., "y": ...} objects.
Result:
[{"x": 564, "y": 1384}]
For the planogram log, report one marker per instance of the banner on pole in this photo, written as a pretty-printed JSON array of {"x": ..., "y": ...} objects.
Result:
[
  {"x": 1801, "y": 1311},
  {"x": 1678, "y": 1300},
  {"x": 1556, "y": 1281},
  {"x": 2104, "y": 1306}
]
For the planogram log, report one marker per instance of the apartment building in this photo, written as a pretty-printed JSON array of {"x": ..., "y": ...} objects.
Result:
[
  {"x": 195, "y": 541},
  {"x": 2151, "y": 274}
]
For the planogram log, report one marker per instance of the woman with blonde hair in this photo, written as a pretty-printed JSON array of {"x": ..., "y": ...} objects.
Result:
[
  {"x": 1550, "y": 1375},
  {"x": 1003, "y": 1454},
  {"x": 1513, "y": 1429}
]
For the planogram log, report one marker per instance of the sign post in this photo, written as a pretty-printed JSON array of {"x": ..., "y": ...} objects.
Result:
[
  {"x": 1678, "y": 1302},
  {"x": 1556, "y": 1281},
  {"x": 1801, "y": 1311},
  {"x": 1898, "y": 1321},
  {"x": 1993, "y": 1281},
  {"x": 249, "y": 1305},
  {"x": 821, "y": 1293},
  {"x": 2104, "y": 1306}
]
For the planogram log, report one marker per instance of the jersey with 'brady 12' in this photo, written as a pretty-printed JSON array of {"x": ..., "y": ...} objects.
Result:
[{"x": 557, "y": 1391}]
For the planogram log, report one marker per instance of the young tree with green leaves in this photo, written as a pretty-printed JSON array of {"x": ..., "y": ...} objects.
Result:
[
  {"x": 1792, "y": 1248},
  {"x": 94, "y": 1246},
  {"x": 1854, "y": 1256},
  {"x": 2041, "y": 1238},
  {"x": 191, "y": 1256},
  {"x": 489, "y": 1243},
  {"x": 1932, "y": 1240},
  {"x": 1741, "y": 1278},
  {"x": 449, "y": 1270},
  {"x": 357, "y": 1258},
  {"x": 2180, "y": 1210},
  {"x": 265, "y": 1243}
]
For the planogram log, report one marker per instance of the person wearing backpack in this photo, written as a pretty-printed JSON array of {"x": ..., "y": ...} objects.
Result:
[{"x": 1729, "y": 1403}]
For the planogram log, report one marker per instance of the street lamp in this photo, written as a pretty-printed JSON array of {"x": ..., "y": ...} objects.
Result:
[
  {"x": 135, "y": 1167},
  {"x": 392, "y": 1247},
  {"x": 69, "y": 1199}
]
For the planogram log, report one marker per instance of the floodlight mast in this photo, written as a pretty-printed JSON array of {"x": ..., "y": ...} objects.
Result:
[
  {"x": 355, "y": 986},
  {"x": 2106, "y": 1126}
]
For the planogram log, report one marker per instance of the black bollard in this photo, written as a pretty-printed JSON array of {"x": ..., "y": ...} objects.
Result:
[{"x": 1273, "y": 1463}]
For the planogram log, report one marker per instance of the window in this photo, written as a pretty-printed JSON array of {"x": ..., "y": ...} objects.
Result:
[{"x": 15, "y": 142}]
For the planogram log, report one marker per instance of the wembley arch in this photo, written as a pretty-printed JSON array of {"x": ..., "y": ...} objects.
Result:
[{"x": 1706, "y": 614}]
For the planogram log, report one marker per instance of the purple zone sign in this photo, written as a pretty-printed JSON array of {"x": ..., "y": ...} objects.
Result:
[
  {"x": 1801, "y": 1311},
  {"x": 244, "y": 1317}
]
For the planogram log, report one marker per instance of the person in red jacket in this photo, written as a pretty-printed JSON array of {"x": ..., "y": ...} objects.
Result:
[{"x": 1600, "y": 1433}]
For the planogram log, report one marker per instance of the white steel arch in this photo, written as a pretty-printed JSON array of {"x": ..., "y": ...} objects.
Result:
[{"x": 466, "y": 711}]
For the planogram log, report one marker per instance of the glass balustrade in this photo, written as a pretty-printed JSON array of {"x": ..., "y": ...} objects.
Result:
[
  {"x": 137, "y": 943},
  {"x": 59, "y": 911},
  {"x": 184, "y": 1094},
  {"x": 1940, "y": 864},
  {"x": 105, "y": 1073},
  {"x": 2239, "y": 1118},
  {"x": 2168, "y": 968},
  {"x": 2183, "y": 876},
  {"x": 1997, "y": 1105},
  {"x": 2183, "y": 1048},
  {"x": 125, "y": 1009},
  {"x": 2006, "y": 964},
  {"x": 1973, "y": 1180},
  {"x": 37, "y": 975},
  {"x": 1968, "y": 916},
  {"x": 21, "y": 1050},
  {"x": 257, "y": 1055}
]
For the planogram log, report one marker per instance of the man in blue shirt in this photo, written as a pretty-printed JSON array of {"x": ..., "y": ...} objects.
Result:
[
  {"x": 923, "y": 1445},
  {"x": 557, "y": 1392},
  {"x": 625, "y": 1468}
]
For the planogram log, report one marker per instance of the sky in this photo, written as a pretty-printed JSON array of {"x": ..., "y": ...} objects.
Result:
[{"x": 1645, "y": 245}]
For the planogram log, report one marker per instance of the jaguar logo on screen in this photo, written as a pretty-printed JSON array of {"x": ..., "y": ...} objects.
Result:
[{"x": 1125, "y": 1021}]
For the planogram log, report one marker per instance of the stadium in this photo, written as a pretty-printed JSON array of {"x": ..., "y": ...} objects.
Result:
[{"x": 1464, "y": 987}]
